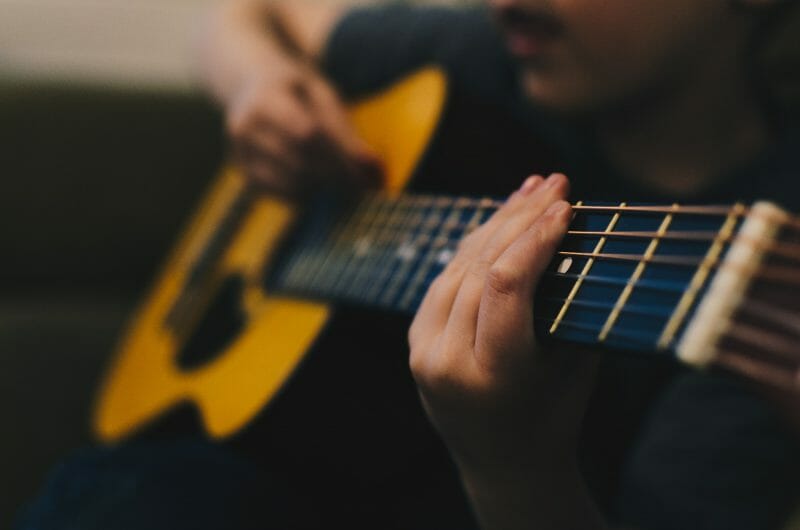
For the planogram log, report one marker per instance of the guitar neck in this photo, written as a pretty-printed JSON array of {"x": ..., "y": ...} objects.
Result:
[{"x": 632, "y": 277}]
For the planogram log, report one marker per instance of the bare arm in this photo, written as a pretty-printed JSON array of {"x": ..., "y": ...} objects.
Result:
[
  {"x": 241, "y": 35},
  {"x": 288, "y": 127}
]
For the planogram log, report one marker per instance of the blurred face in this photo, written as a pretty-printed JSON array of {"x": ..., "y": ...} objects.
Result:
[{"x": 582, "y": 55}]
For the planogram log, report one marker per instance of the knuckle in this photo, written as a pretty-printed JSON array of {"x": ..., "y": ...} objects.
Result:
[
  {"x": 538, "y": 235},
  {"x": 306, "y": 131},
  {"x": 432, "y": 377},
  {"x": 503, "y": 279}
]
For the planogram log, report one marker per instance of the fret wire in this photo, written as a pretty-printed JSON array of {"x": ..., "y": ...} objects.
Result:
[
  {"x": 428, "y": 257},
  {"x": 326, "y": 275},
  {"x": 390, "y": 255},
  {"x": 346, "y": 247},
  {"x": 358, "y": 284},
  {"x": 463, "y": 228},
  {"x": 408, "y": 251},
  {"x": 699, "y": 278},
  {"x": 301, "y": 261},
  {"x": 637, "y": 274},
  {"x": 585, "y": 272},
  {"x": 476, "y": 219},
  {"x": 383, "y": 244}
]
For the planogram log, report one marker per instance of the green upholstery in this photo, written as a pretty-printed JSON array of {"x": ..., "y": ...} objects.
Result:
[{"x": 96, "y": 184}]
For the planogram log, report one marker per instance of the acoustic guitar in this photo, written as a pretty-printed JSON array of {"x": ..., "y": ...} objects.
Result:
[{"x": 703, "y": 284}]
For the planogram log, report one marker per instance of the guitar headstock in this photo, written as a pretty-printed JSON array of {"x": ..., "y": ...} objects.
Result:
[{"x": 748, "y": 320}]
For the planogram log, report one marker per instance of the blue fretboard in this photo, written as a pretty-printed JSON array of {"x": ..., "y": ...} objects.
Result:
[{"x": 629, "y": 276}]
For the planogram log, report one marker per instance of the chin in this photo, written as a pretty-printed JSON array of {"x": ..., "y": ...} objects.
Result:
[{"x": 557, "y": 95}]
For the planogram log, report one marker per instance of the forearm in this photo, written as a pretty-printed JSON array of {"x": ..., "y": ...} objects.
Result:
[
  {"x": 549, "y": 495},
  {"x": 237, "y": 38}
]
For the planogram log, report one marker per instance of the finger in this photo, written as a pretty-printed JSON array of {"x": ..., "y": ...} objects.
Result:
[
  {"x": 556, "y": 187},
  {"x": 273, "y": 146},
  {"x": 356, "y": 155},
  {"x": 428, "y": 324},
  {"x": 464, "y": 315},
  {"x": 448, "y": 283},
  {"x": 506, "y": 307},
  {"x": 472, "y": 245},
  {"x": 266, "y": 176},
  {"x": 290, "y": 116},
  {"x": 434, "y": 311}
]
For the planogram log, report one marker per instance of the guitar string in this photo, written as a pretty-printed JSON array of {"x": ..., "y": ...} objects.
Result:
[
  {"x": 788, "y": 320},
  {"x": 626, "y": 333},
  {"x": 789, "y": 250},
  {"x": 777, "y": 344},
  {"x": 711, "y": 210},
  {"x": 772, "y": 273},
  {"x": 386, "y": 262},
  {"x": 759, "y": 370},
  {"x": 777, "y": 274}
]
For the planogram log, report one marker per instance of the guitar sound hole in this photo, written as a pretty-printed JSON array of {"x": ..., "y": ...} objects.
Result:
[{"x": 219, "y": 325}]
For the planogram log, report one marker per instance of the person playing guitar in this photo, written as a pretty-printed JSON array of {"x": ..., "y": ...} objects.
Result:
[{"x": 653, "y": 101}]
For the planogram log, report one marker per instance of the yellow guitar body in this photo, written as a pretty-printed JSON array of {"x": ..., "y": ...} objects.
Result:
[{"x": 145, "y": 380}]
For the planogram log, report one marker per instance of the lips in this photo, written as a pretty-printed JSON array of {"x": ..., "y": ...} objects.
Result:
[{"x": 529, "y": 33}]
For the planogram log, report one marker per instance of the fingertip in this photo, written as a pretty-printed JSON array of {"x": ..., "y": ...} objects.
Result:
[
  {"x": 530, "y": 184},
  {"x": 559, "y": 209},
  {"x": 559, "y": 182}
]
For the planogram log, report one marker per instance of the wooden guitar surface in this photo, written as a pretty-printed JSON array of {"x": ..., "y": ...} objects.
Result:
[{"x": 146, "y": 379}]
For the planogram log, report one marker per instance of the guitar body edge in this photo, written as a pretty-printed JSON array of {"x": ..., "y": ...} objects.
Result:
[{"x": 145, "y": 380}]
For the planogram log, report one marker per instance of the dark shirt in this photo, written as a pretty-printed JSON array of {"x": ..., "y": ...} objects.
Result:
[{"x": 693, "y": 451}]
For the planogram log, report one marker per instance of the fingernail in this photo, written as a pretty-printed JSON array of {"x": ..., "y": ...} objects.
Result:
[
  {"x": 553, "y": 179},
  {"x": 559, "y": 208},
  {"x": 529, "y": 184}
]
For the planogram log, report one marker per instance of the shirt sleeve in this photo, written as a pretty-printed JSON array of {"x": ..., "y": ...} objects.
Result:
[{"x": 372, "y": 47}]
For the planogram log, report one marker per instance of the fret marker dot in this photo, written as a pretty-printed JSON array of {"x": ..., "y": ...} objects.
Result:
[
  {"x": 565, "y": 265},
  {"x": 445, "y": 256},
  {"x": 406, "y": 252},
  {"x": 362, "y": 247}
]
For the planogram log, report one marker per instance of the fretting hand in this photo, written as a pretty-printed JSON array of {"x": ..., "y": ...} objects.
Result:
[{"x": 498, "y": 399}]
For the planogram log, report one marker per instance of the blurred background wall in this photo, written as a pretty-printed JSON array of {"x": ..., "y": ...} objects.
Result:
[{"x": 131, "y": 43}]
